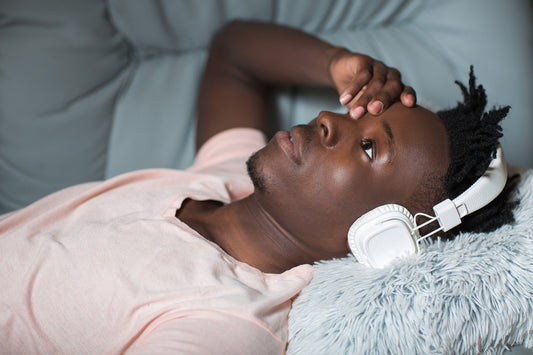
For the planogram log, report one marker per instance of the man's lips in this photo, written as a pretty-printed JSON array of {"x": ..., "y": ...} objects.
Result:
[{"x": 287, "y": 144}]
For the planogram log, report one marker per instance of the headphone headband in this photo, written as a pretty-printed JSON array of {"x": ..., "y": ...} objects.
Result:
[{"x": 480, "y": 194}]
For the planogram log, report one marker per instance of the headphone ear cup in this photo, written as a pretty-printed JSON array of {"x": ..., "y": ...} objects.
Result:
[{"x": 383, "y": 234}]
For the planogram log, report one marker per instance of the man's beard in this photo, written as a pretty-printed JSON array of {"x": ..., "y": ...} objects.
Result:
[{"x": 253, "y": 171}]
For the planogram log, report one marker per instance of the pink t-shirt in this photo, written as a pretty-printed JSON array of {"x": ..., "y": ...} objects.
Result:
[{"x": 106, "y": 268}]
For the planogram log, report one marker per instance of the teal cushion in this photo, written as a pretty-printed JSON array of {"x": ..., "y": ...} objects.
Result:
[
  {"x": 432, "y": 42},
  {"x": 171, "y": 27},
  {"x": 154, "y": 124},
  {"x": 74, "y": 71},
  {"x": 62, "y": 66}
]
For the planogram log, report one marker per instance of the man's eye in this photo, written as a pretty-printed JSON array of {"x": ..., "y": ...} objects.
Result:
[{"x": 368, "y": 147}]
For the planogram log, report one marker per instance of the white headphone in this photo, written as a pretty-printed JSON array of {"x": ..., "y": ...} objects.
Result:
[{"x": 390, "y": 231}]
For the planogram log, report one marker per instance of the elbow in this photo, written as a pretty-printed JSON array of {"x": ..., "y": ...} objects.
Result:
[
  {"x": 231, "y": 29},
  {"x": 230, "y": 36}
]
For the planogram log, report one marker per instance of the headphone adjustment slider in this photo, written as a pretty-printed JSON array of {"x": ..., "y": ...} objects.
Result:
[{"x": 447, "y": 214}]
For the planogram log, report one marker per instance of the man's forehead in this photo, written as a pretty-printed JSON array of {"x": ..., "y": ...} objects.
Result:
[{"x": 420, "y": 134}]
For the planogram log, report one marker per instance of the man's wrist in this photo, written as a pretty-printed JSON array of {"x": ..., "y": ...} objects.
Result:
[{"x": 335, "y": 54}]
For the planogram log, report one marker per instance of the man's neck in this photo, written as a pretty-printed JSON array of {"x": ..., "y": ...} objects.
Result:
[{"x": 247, "y": 232}]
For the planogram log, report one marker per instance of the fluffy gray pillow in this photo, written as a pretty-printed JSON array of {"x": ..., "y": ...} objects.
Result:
[{"x": 467, "y": 296}]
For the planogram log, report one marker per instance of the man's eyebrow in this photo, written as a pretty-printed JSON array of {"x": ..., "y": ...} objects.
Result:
[{"x": 390, "y": 138}]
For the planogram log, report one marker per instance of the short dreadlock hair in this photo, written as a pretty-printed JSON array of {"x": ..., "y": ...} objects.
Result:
[{"x": 473, "y": 136}]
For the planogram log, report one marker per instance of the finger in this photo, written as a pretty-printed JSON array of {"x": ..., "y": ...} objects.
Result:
[
  {"x": 390, "y": 92},
  {"x": 359, "y": 94},
  {"x": 373, "y": 88},
  {"x": 356, "y": 111},
  {"x": 355, "y": 86},
  {"x": 408, "y": 96}
]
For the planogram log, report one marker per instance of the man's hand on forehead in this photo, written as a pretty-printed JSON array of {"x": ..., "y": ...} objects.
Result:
[{"x": 365, "y": 84}]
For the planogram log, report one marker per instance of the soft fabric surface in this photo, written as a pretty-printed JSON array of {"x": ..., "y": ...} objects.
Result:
[
  {"x": 62, "y": 66},
  {"x": 107, "y": 268},
  {"x": 93, "y": 89},
  {"x": 467, "y": 296}
]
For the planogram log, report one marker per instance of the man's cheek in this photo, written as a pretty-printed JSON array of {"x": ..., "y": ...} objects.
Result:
[{"x": 338, "y": 188}]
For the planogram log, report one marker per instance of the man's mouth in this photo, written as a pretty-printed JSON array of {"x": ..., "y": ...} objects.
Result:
[{"x": 287, "y": 142}]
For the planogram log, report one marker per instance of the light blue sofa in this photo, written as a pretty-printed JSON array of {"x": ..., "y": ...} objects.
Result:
[{"x": 90, "y": 88}]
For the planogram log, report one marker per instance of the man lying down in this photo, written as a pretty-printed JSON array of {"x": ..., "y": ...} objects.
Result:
[{"x": 208, "y": 260}]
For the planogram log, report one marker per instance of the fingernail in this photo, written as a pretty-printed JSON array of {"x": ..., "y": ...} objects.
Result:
[
  {"x": 408, "y": 100},
  {"x": 376, "y": 107},
  {"x": 345, "y": 99},
  {"x": 357, "y": 112}
]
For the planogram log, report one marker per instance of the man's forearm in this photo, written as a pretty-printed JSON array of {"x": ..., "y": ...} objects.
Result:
[
  {"x": 276, "y": 55},
  {"x": 246, "y": 58}
]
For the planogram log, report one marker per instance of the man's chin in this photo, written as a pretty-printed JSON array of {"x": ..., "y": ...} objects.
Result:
[{"x": 254, "y": 172}]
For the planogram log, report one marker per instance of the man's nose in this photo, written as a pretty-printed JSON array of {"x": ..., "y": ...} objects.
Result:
[{"x": 328, "y": 124}]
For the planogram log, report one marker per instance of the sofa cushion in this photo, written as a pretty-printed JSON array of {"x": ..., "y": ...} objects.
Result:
[
  {"x": 61, "y": 70},
  {"x": 432, "y": 42},
  {"x": 154, "y": 124}
]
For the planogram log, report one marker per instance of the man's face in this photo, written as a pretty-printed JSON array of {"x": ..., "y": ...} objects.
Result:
[{"x": 317, "y": 179}]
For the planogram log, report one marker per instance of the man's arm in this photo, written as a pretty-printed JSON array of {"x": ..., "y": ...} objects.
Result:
[
  {"x": 206, "y": 332},
  {"x": 247, "y": 58}
]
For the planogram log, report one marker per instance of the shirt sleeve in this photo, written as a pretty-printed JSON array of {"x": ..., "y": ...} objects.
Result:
[
  {"x": 225, "y": 154},
  {"x": 229, "y": 148},
  {"x": 209, "y": 333}
]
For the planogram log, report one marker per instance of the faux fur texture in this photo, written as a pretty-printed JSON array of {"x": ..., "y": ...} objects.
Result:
[{"x": 471, "y": 295}]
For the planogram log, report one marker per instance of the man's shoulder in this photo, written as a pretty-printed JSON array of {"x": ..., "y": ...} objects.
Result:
[{"x": 230, "y": 145}]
